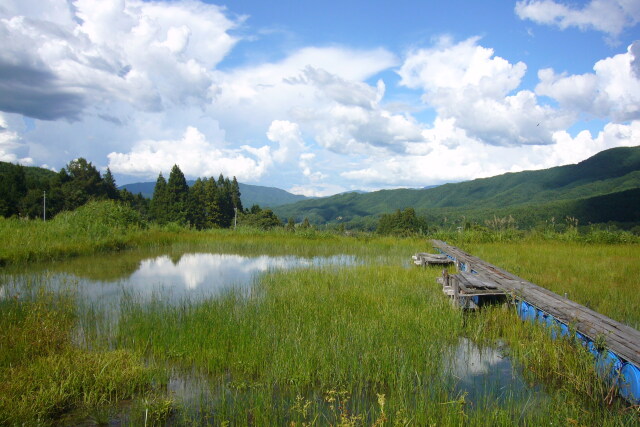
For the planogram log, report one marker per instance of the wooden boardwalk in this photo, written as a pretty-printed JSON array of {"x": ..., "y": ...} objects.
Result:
[
  {"x": 424, "y": 259},
  {"x": 621, "y": 339}
]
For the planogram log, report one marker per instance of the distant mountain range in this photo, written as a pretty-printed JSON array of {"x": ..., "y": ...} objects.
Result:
[
  {"x": 603, "y": 188},
  {"x": 266, "y": 197}
]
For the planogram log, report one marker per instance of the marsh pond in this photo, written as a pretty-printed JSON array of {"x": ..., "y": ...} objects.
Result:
[{"x": 257, "y": 338}]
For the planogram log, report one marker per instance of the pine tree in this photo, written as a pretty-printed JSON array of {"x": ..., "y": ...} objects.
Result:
[
  {"x": 225, "y": 202},
  {"x": 213, "y": 214},
  {"x": 159, "y": 202},
  {"x": 197, "y": 213},
  {"x": 235, "y": 195},
  {"x": 177, "y": 196},
  {"x": 13, "y": 188},
  {"x": 109, "y": 184},
  {"x": 84, "y": 184}
]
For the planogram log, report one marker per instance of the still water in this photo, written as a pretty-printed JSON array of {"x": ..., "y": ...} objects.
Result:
[
  {"x": 481, "y": 375},
  {"x": 168, "y": 277},
  {"x": 485, "y": 376}
]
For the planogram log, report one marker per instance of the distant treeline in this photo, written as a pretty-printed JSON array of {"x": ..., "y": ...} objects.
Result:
[
  {"x": 25, "y": 191},
  {"x": 30, "y": 192},
  {"x": 206, "y": 204}
]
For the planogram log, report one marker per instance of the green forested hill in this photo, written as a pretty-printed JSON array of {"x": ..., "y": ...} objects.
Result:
[{"x": 529, "y": 196}]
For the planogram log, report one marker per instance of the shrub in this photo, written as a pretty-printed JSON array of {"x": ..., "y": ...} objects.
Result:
[{"x": 100, "y": 218}]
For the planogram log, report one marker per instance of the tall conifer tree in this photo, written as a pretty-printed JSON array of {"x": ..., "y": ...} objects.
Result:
[
  {"x": 109, "y": 184},
  {"x": 177, "y": 195},
  {"x": 159, "y": 202},
  {"x": 214, "y": 216},
  {"x": 197, "y": 204},
  {"x": 13, "y": 187},
  {"x": 224, "y": 201},
  {"x": 235, "y": 195}
]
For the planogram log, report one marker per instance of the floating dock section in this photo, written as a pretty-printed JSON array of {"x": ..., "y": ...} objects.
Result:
[{"x": 618, "y": 351}]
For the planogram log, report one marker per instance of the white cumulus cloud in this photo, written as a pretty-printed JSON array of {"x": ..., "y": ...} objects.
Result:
[
  {"x": 12, "y": 148},
  {"x": 289, "y": 139},
  {"x": 612, "y": 91},
  {"x": 60, "y": 57},
  {"x": 608, "y": 16},
  {"x": 466, "y": 82},
  {"x": 348, "y": 117},
  {"x": 196, "y": 156},
  {"x": 472, "y": 159}
]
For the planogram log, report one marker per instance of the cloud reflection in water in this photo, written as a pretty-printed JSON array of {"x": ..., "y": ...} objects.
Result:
[{"x": 199, "y": 275}]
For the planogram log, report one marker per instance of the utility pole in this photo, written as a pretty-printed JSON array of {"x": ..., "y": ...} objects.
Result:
[
  {"x": 235, "y": 218},
  {"x": 44, "y": 207}
]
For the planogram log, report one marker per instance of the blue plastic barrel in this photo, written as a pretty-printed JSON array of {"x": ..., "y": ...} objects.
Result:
[
  {"x": 521, "y": 308},
  {"x": 629, "y": 383},
  {"x": 541, "y": 316},
  {"x": 582, "y": 339},
  {"x": 564, "y": 329},
  {"x": 608, "y": 365},
  {"x": 529, "y": 312},
  {"x": 552, "y": 325},
  {"x": 592, "y": 348}
]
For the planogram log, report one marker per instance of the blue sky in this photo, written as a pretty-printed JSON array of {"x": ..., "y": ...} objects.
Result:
[{"x": 318, "y": 97}]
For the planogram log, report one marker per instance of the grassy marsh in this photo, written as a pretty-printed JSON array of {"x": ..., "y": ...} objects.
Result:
[
  {"x": 327, "y": 346},
  {"x": 349, "y": 345}
]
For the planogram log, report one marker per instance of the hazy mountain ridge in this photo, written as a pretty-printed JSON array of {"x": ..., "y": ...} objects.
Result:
[{"x": 266, "y": 197}]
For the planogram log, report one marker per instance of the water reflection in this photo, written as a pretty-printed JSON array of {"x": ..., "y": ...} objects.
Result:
[
  {"x": 192, "y": 275},
  {"x": 206, "y": 274},
  {"x": 485, "y": 376}
]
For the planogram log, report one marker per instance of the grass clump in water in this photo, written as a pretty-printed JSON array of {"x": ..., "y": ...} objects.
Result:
[{"x": 43, "y": 375}]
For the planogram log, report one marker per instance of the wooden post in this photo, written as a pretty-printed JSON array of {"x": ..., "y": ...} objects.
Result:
[
  {"x": 456, "y": 289},
  {"x": 445, "y": 278}
]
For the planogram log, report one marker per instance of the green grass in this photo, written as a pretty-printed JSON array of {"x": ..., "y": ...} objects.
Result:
[
  {"x": 105, "y": 227},
  {"x": 307, "y": 337},
  {"x": 360, "y": 345}
]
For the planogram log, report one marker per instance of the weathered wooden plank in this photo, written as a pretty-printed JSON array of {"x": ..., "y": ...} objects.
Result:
[
  {"x": 587, "y": 321},
  {"x": 425, "y": 259},
  {"x": 469, "y": 287},
  {"x": 571, "y": 312},
  {"x": 569, "y": 309},
  {"x": 619, "y": 338},
  {"x": 479, "y": 281},
  {"x": 621, "y": 342},
  {"x": 590, "y": 325},
  {"x": 528, "y": 286}
]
